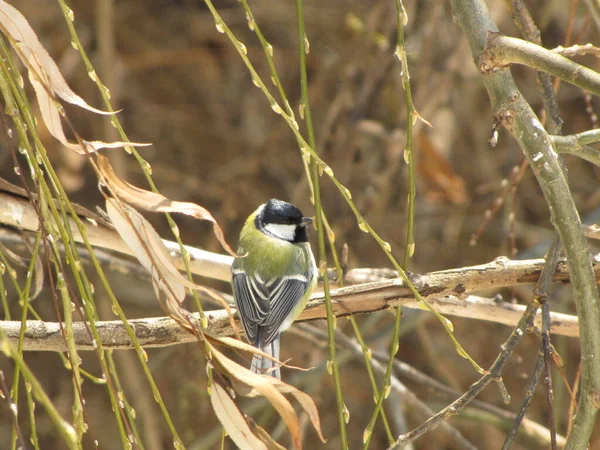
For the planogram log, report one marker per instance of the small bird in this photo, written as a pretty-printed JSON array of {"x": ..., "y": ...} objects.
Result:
[{"x": 273, "y": 277}]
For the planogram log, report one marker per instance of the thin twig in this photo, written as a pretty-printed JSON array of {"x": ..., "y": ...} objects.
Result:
[
  {"x": 5, "y": 394},
  {"x": 533, "y": 383},
  {"x": 530, "y": 428},
  {"x": 546, "y": 346},
  {"x": 541, "y": 295},
  {"x": 494, "y": 373},
  {"x": 408, "y": 396}
]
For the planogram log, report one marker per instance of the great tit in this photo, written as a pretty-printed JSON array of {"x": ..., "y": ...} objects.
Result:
[{"x": 273, "y": 277}]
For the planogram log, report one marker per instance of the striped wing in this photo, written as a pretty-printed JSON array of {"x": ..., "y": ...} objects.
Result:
[
  {"x": 264, "y": 307},
  {"x": 285, "y": 294},
  {"x": 252, "y": 301}
]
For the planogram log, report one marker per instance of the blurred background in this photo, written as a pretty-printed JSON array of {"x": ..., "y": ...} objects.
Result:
[{"x": 182, "y": 86}]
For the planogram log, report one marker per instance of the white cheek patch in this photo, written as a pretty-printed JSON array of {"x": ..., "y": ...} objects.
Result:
[{"x": 286, "y": 232}]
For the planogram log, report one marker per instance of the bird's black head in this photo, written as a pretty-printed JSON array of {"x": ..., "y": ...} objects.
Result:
[{"x": 282, "y": 220}]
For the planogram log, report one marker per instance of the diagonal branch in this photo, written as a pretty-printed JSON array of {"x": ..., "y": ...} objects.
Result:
[
  {"x": 501, "y": 51},
  {"x": 519, "y": 119}
]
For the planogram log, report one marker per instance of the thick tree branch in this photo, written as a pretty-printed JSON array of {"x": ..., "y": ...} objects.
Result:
[
  {"x": 448, "y": 291},
  {"x": 501, "y": 51},
  {"x": 488, "y": 48},
  {"x": 164, "y": 331}
]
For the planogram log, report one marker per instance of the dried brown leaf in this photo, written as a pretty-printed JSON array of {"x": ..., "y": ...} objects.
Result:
[
  {"x": 46, "y": 79},
  {"x": 265, "y": 385},
  {"x": 239, "y": 345},
  {"x": 233, "y": 421},
  {"x": 147, "y": 246},
  {"x": 440, "y": 177},
  {"x": 307, "y": 403},
  {"x": 51, "y": 117},
  {"x": 145, "y": 243},
  {"x": 249, "y": 390},
  {"x": 35, "y": 57},
  {"x": 264, "y": 436},
  {"x": 151, "y": 201}
]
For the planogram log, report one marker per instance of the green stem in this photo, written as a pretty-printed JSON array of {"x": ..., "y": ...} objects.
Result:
[
  {"x": 24, "y": 302},
  {"x": 64, "y": 428},
  {"x": 332, "y": 363},
  {"x": 411, "y": 115}
]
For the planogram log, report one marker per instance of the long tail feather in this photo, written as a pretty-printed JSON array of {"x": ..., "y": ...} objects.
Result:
[{"x": 264, "y": 365}]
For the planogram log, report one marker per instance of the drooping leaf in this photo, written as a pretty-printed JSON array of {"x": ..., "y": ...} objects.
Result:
[
  {"x": 52, "y": 120},
  {"x": 146, "y": 245},
  {"x": 154, "y": 202},
  {"x": 233, "y": 421},
  {"x": 35, "y": 56},
  {"x": 46, "y": 79},
  {"x": 265, "y": 385},
  {"x": 307, "y": 403},
  {"x": 264, "y": 436},
  {"x": 245, "y": 384}
]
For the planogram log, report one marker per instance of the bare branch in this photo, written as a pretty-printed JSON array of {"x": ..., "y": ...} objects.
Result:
[
  {"x": 364, "y": 298},
  {"x": 577, "y": 144},
  {"x": 475, "y": 389},
  {"x": 502, "y": 51},
  {"x": 492, "y": 51},
  {"x": 577, "y": 50}
]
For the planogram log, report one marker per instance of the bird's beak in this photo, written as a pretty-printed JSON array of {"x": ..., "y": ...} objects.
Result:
[{"x": 306, "y": 221}]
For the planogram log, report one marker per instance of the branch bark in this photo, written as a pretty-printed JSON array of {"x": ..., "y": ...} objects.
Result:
[
  {"x": 519, "y": 119},
  {"x": 448, "y": 291},
  {"x": 501, "y": 51},
  {"x": 164, "y": 331}
]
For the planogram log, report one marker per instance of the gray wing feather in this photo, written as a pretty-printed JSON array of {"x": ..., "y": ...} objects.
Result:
[
  {"x": 265, "y": 306},
  {"x": 284, "y": 297},
  {"x": 253, "y": 310}
]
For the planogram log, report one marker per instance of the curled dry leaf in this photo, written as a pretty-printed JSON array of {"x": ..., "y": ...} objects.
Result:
[
  {"x": 264, "y": 436},
  {"x": 46, "y": 79},
  {"x": 148, "y": 247},
  {"x": 151, "y": 201},
  {"x": 250, "y": 384},
  {"x": 233, "y": 421},
  {"x": 248, "y": 390},
  {"x": 264, "y": 385},
  {"x": 306, "y": 401},
  {"x": 237, "y": 344}
]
